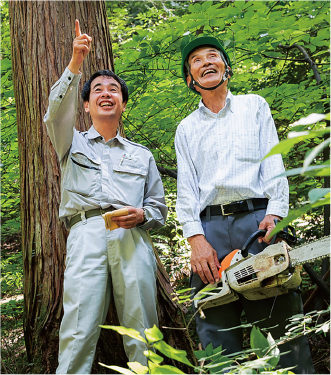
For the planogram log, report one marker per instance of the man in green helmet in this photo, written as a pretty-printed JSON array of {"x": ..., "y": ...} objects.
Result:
[{"x": 225, "y": 193}]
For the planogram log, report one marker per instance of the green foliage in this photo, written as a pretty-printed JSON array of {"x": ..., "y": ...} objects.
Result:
[
  {"x": 173, "y": 249},
  {"x": 11, "y": 268},
  {"x": 147, "y": 39},
  {"x": 213, "y": 360},
  {"x": 10, "y": 180},
  {"x": 154, "y": 340},
  {"x": 318, "y": 196}
]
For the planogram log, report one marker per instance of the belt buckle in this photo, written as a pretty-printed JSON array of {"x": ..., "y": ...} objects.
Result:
[{"x": 222, "y": 209}]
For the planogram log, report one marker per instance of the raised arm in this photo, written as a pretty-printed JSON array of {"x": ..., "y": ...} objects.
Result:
[{"x": 62, "y": 109}]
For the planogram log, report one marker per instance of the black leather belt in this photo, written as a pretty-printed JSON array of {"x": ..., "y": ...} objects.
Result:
[
  {"x": 236, "y": 207},
  {"x": 98, "y": 211}
]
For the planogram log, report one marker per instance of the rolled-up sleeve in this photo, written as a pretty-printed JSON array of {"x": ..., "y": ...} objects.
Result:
[
  {"x": 61, "y": 113},
  {"x": 154, "y": 201},
  {"x": 275, "y": 188},
  {"x": 187, "y": 205}
]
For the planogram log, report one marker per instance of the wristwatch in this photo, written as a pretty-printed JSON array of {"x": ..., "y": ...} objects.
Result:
[{"x": 145, "y": 218}]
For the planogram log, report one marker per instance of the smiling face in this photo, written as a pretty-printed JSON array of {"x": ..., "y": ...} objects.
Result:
[
  {"x": 106, "y": 101},
  {"x": 207, "y": 67}
]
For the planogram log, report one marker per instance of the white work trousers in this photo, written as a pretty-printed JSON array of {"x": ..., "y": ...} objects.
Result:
[{"x": 94, "y": 254}]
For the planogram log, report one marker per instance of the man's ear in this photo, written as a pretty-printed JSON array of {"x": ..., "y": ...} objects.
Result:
[
  {"x": 188, "y": 80},
  {"x": 124, "y": 107},
  {"x": 86, "y": 106}
]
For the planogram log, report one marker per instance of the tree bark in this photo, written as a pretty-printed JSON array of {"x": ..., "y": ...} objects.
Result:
[{"x": 42, "y": 33}]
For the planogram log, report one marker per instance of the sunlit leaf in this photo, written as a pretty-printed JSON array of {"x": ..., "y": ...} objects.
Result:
[
  {"x": 138, "y": 368},
  {"x": 121, "y": 370},
  {"x": 126, "y": 331},
  {"x": 166, "y": 369},
  {"x": 157, "y": 359},
  {"x": 153, "y": 334},
  {"x": 312, "y": 155},
  {"x": 316, "y": 194},
  {"x": 169, "y": 351}
]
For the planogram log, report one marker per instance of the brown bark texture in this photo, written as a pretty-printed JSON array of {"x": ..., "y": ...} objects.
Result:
[{"x": 42, "y": 33}]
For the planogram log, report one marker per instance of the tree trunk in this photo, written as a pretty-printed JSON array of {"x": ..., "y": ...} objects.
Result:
[{"x": 42, "y": 33}]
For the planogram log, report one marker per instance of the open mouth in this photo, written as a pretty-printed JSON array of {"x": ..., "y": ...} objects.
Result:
[
  {"x": 208, "y": 71},
  {"x": 106, "y": 104}
]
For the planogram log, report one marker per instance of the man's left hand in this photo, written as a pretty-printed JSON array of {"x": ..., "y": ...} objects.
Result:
[
  {"x": 135, "y": 217},
  {"x": 268, "y": 224}
]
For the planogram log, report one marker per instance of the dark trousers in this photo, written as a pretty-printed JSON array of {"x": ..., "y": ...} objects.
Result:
[{"x": 227, "y": 233}]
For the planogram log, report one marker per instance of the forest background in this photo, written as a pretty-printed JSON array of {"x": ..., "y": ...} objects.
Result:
[{"x": 262, "y": 40}]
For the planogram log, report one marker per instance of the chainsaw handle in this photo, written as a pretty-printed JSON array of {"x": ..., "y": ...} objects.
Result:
[{"x": 250, "y": 241}]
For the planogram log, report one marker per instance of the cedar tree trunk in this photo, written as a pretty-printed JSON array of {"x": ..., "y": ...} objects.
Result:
[{"x": 42, "y": 33}]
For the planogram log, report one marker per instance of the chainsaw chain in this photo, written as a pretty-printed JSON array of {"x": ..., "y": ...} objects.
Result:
[{"x": 313, "y": 259}]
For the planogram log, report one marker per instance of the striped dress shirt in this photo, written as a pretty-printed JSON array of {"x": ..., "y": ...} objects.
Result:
[{"x": 219, "y": 159}]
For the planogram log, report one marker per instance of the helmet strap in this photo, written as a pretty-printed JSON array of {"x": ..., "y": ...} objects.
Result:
[{"x": 228, "y": 73}]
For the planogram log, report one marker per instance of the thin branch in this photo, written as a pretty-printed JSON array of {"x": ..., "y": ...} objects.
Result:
[
  {"x": 4, "y": 367},
  {"x": 318, "y": 281},
  {"x": 168, "y": 172},
  {"x": 276, "y": 3},
  {"x": 315, "y": 292},
  {"x": 306, "y": 58}
]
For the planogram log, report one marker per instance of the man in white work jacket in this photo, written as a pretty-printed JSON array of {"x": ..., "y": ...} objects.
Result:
[
  {"x": 225, "y": 194},
  {"x": 101, "y": 172}
]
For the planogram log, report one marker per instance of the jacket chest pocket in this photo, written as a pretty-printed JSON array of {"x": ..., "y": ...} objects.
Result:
[
  {"x": 130, "y": 179},
  {"x": 83, "y": 175}
]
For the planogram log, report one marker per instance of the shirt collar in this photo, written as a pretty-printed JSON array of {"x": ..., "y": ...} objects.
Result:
[
  {"x": 228, "y": 103},
  {"x": 93, "y": 134}
]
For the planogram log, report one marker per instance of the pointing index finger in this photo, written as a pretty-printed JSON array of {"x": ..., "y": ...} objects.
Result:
[{"x": 77, "y": 28}]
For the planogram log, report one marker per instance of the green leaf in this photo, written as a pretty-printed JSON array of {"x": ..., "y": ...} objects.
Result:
[
  {"x": 217, "y": 22},
  {"x": 240, "y": 5},
  {"x": 170, "y": 352},
  {"x": 298, "y": 213},
  {"x": 274, "y": 353},
  {"x": 153, "y": 334},
  {"x": 258, "y": 342},
  {"x": 138, "y": 368},
  {"x": 166, "y": 369},
  {"x": 184, "y": 290},
  {"x": 194, "y": 8},
  {"x": 126, "y": 331},
  {"x": 285, "y": 146},
  {"x": 315, "y": 151},
  {"x": 316, "y": 194},
  {"x": 209, "y": 349},
  {"x": 157, "y": 359},
  {"x": 310, "y": 170},
  {"x": 121, "y": 370},
  {"x": 5, "y": 64},
  {"x": 207, "y": 4}
]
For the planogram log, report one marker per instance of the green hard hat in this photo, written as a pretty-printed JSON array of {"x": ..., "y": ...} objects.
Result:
[{"x": 199, "y": 41}]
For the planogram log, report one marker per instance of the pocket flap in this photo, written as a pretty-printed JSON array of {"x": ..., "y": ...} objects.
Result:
[
  {"x": 88, "y": 160},
  {"x": 131, "y": 169}
]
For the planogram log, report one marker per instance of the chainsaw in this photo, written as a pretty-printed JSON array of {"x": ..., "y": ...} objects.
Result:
[{"x": 272, "y": 272}]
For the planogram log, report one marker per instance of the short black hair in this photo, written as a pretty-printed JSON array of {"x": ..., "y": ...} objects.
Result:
[{"x": 105, "y": 73}]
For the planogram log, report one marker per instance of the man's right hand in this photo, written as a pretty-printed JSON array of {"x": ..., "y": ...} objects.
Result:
[
  {"x": 81, "y": 48},
  {"x": 204, "y": 260}
]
